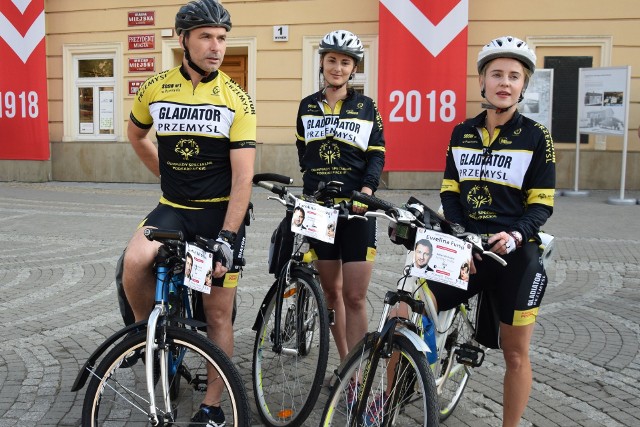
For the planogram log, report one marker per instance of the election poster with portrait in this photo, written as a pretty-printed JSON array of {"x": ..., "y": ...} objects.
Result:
[
  {"x": 315, "y": 221},
  {"x": 198, "y": 268},
  {"x": 440, "y": 257}
]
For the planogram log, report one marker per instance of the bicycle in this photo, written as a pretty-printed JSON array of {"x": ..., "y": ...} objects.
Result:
[
  {"x": 292, "y": 327},
  {"x": 156, "y": 372},
  {"x": 386, "y": 379}
]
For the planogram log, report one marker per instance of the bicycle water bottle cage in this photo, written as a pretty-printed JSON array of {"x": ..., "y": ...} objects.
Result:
[{"x": 470, "y": 355}]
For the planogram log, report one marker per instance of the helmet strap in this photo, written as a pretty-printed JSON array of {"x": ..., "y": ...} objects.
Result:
[{"x": 190, "y": 63}]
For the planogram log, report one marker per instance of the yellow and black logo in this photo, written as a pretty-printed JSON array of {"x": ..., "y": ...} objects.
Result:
[
  {"x": 187, "y": 148},
  {"x": 479, "y": 196},
  {"x": 329, "y": 152}
]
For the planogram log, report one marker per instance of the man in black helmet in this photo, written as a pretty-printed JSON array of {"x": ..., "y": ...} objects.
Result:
[{"x": 206, "y": 130}]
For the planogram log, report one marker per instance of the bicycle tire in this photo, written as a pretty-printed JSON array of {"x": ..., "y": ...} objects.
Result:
[
  {"x": 411, "y": 401},
  {"x": 460, "y": 332},
  {"x": 286, "y": 386},
  {"x": 117, "y": 393}
]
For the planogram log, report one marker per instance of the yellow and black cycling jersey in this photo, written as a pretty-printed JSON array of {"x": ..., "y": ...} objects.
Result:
[
  {"x": 345, "y": 144},
  {"x": 503, "y": 184},
  {"x": 196, "y": 129}
]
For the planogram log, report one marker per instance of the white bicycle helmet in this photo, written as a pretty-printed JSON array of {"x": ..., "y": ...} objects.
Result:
[
  {"x": 343, "y": 41},
  {"x": 507, "y": 47}
]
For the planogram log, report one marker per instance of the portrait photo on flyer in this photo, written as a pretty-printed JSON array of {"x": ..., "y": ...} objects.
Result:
[
  {"x": 315, "y": 221},
  {"x": 441, "y": 258},
  {"x": 198, "y": 268}
]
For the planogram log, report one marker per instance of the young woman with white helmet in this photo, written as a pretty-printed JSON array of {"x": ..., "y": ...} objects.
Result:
[
  {"x": 499, "y": 181},
  {"x": 339, "y": 138}
]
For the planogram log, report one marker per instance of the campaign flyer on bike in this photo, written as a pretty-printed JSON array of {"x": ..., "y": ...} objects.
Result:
[
  {"x": 441, "y": 258},
  {"x": 198, "y": 268},
  {"x": 312, "y": 220}
]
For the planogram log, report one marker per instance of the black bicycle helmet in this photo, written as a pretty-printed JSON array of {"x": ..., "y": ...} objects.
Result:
[
  {"x": 202, "y": 13},
  {"x": 342, "y": 41}
]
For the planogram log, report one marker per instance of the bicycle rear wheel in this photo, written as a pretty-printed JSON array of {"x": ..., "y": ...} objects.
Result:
[
  {"x": 117, "y": 392},
  {"x": 452, "y": 388},
  {"x": 402, "y": 391},
  {"x": 288, "y": 381}
]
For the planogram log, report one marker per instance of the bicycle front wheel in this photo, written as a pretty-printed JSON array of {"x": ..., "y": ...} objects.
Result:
[
  {"x": 402, "y": 389},
  {"x": 287, "y": 380},
  {"x": 451, "y": 386},
  {"x": 117, "y": 392}
]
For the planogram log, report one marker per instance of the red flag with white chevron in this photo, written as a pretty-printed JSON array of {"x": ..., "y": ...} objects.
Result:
[
  {"x": 24, "y": 131},
  {"x": 422, "y": 79}
]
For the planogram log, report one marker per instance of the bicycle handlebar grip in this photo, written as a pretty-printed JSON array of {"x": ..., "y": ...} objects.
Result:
[
  {"x": 372, "y": 202},
  {"x": 272, "y": 177},
  {"x": 158, "y": 234}
]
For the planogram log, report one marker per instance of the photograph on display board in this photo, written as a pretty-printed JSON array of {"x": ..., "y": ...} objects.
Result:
[{"x": 602, "y": 101}]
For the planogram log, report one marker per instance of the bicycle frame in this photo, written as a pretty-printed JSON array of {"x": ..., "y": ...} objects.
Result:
[{"x": 442, "y": 322}]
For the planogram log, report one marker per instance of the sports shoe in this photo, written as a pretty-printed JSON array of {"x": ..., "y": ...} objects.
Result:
[
  {"x": 375, "y": 411},
  {"x": 210, "y": 416}
]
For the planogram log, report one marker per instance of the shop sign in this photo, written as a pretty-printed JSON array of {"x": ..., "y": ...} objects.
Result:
[
  {"x": 134, "y": 85},
  {"x": 142, "y": 41},
  {"x": 141, "y": 64},
  {"x": 141, "y": 18}
]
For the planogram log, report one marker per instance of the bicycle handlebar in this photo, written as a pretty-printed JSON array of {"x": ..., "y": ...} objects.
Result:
[
  {"x": 162, "y": 235},
  {"x": 373, "y": 202},
  {"x": 397, "y": 214},
  {"x": 272, "y": 177}
]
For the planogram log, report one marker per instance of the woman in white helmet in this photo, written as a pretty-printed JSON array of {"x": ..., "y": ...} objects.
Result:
[
  {"x": 339, "y": 138},
  {"x": 499, "y": 181}
]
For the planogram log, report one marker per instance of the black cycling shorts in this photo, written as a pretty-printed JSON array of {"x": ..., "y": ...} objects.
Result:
[
  {"x": 517, "y": 288},
  {"x": 355, "y": 240},
  {"x": 206, "y": 223}
]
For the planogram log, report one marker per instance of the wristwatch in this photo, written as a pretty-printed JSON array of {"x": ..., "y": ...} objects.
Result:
[
  {"x": 227, "y": 236},
  {"x": 517, "y": 237}
]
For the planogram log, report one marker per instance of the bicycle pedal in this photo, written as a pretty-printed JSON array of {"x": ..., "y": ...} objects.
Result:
[{"x": 470, "y": 355}]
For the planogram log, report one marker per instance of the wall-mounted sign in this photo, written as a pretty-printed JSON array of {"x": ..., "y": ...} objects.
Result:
[
  {"x": 142, "y": 41},
  {"x": 23, "y": 86},
  {"x": 141, "y": 18},
  {"x": 280, "y": 33},
  {"x": 134, "y": 85},
  {"x": 430, "y": 37},
  {"x": 141, "y": 64}
]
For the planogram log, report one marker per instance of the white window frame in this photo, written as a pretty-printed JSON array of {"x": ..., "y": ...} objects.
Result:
[
  {"x": 72, "y": 53},
  {"x": 311, "y": 66}
]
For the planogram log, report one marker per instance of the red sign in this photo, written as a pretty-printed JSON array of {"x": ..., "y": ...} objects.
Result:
[
  {"x": 141, "y": 64},
  {"x": 141, "y": 18},
  {"x": 422, "y": 79},
  {"x": 23, "y": 82},
  {"x": 142, "y": 41},
  {"x": 134, "y": 85}
]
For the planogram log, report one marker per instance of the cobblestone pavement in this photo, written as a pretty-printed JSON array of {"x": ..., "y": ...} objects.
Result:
[{"x": 59, "y": 243}]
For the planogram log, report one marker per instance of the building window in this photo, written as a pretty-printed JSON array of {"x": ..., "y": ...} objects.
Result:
[
  {"x": 566, "y": 55},
  {"x": 364, "y": 80},
  {"x": 566, "y": 71},
  {"x": 90, "y": 82}
]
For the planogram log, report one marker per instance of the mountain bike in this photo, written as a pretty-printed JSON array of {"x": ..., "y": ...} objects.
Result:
[
  {"x": 386, "y": 379},
  {"x": 156, "y": 372},
  {"x": 292, "y": 327}
]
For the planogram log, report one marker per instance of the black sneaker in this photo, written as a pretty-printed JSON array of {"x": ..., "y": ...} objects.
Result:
[{"x": 210, "y": 416}]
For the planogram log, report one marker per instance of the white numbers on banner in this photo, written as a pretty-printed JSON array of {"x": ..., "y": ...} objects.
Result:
[
  {"x": 23, "y": 104},
  {"x": 409, "y": 106}
]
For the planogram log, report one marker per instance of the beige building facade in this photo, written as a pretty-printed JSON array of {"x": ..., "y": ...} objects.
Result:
[{"x": 94, "y": 48}]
